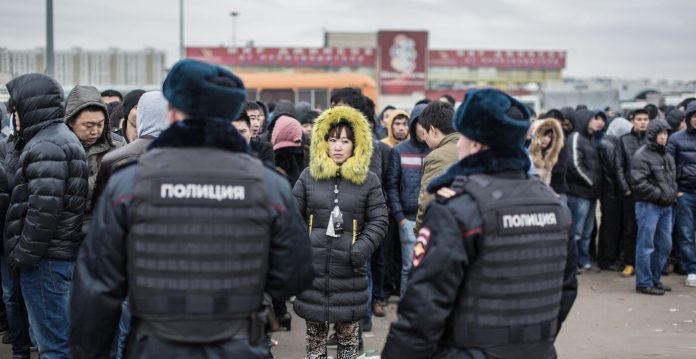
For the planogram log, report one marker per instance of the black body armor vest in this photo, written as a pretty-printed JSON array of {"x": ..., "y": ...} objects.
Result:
[
  {"x": 199, "y": 244},
  {"x": 512, "y": 292}
]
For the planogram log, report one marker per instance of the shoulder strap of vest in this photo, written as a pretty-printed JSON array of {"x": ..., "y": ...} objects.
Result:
[{"x": 124, "y": 163}]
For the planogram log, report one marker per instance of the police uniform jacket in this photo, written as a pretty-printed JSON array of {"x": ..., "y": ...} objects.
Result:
[
  {"x": 435, "y": 312},
  {"x": 101, "y": 275}
]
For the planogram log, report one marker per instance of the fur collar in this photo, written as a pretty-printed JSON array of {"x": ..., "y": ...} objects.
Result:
[
  {"x": 487, "y": 162},
  {"x": 356, "y": 168},
  {"x": 202, "y": 132},
  {"x": 548, "y": 160}
]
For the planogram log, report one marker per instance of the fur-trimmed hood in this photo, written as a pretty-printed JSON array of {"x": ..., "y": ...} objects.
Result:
[
  {"x": 548, "y": 160},
  {"x": 356, "y": 168}
]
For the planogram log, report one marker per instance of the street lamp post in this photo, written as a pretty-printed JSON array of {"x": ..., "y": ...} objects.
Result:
[
  {"x": 234, "y": 15},
  {"x": 182, "y": 53},
  {"x": 50, "y": 65}
]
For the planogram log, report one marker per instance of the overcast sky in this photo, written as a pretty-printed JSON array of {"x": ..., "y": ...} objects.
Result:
[{"x": 616, "y": 38}]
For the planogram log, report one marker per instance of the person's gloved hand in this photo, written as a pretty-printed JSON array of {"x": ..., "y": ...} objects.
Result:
[
  {"x": 14, "y": 267},
  {"x": 357, "y": 259}
]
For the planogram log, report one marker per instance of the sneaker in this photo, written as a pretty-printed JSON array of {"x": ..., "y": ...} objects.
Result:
[
  {"x": 663, "y": 287},
  {"x": 650, "y": 290},
  {"x": 614, "y": 267},
  {"x": 628, "y": 271},
  {"x": 690, "y": 280}
]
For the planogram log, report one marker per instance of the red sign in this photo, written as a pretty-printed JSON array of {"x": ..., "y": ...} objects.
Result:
[
  {"x": 403, "y": 61},
  {"x": 506, "y": 59},
  {"x": 351, "y": 57}
]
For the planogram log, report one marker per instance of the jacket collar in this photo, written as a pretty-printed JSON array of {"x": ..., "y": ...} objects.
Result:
[
  {"x": 202, "y": 132},
  {"x": 491, "y": 161},
  {"x": 451, "y": 138}
]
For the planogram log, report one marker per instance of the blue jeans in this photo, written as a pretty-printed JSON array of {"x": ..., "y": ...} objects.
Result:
[
  {"x": 17, "y": 319},
  {"x": 46, "y": 290},
  {"x": 653, "y": 243},
  {"x": 123, "y": 330},
  {"x": 686, "y": 223},
  {"x": 408, "y": 241},
  {"x": 583, "y": 212}
]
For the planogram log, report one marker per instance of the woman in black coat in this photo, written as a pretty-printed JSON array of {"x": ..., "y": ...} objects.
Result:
[{"x": 346, "y": 215}]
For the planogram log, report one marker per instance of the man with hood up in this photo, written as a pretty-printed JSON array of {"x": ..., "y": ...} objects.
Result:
[
  {"x": 682, "y": 145},
  {"x": 87, "y": 116},
  {"x": 584, "y": 180},
  {"x": 47, "y": 171},
  {"x": 654, "y": 183},
  {"x": 609, "y": 244},
  {"x": 403, "y": 179},
  {"x": 151, "y": 121},
  {"x": 193, "y": 233},
  {"x": 398, "y": 128}
]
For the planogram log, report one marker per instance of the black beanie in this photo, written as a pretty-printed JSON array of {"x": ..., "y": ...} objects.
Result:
[
  {"x": 130, "y": 101},
  {"x": 309, "y": 117}
]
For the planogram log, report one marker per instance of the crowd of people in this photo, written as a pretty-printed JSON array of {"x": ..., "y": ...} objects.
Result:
[{"x": 350, "y": 220}]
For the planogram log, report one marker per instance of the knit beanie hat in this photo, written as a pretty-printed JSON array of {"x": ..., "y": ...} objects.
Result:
[
  {"x": 309, "y": 117},
  {"x": 286, "y": 133},
  {"x": 493, "y": 118},
  {"x": 130, "y": 101},
  {"x": 204, "y": 90}
]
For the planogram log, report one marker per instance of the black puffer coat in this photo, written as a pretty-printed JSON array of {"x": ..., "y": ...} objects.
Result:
[
  {"x": 628, "y": 145},
  {"x": 653, "y": 172},
  {"x": 584, "y": 170},
  {"x": 339, "y": 292},
  {"x": 47, "y": 171},
  {"x": 682, "y": 146}
]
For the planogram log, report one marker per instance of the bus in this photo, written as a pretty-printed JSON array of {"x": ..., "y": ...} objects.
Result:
[{"x": 314, "y": 88}]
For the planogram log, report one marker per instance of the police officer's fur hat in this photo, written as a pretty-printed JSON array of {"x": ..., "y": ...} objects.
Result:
[
  {"x": 204, "y": 90},
  {"x": 493, "y": 118}
]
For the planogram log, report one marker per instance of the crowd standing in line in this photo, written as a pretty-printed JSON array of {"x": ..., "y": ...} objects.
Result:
[{"x": 180, "y": 222}]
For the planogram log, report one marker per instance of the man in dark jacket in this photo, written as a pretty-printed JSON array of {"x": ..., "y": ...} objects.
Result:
[
  {"x": 48, "y": 175},
  {"x": 490, "y": 226},
  {"x": 682, "y": 146},
  {"x": 404, "y": 172},
  {"x": 584, "y": 180},
  {"x": 609, "y": 243},
  {"x": 628, "y": 145},
  {"x": 194, "y": 233},
  {"x": 14, "y": 312},
  {"x": 151, "y": 120},
  {"x": 654, "y": 185}
]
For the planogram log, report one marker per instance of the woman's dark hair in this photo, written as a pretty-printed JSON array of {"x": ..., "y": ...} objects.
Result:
[{"x": 336, "y": 130}]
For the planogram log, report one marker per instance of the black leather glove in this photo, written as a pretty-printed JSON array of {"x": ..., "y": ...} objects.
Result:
[{"x": 357, "y": 259}]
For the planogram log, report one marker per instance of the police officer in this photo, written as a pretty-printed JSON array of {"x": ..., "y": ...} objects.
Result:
[
  {"x": 494, "y": 263},
  {"x": 194, "y": 233}
]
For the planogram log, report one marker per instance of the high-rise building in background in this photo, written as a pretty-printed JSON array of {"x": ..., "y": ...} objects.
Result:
[{"x": 102, "y": 68}]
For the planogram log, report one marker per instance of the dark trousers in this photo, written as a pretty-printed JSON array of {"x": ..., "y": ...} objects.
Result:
[
  {"x": 629, "y": 229},
  {"x": 609, "y": 245}
]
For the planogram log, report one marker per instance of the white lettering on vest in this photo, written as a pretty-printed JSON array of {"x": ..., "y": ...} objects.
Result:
[
  {"x": 529, "y": 220},
  {"x": 202, "y": 191}
]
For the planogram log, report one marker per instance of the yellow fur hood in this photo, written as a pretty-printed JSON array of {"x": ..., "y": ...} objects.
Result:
[{"x": 356, "y": 168}]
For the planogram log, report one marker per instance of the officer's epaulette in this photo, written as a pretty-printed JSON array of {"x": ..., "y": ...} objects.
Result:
[
  {"x": 455, "y": 189},
  {"x": 124, "y": 163}
]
